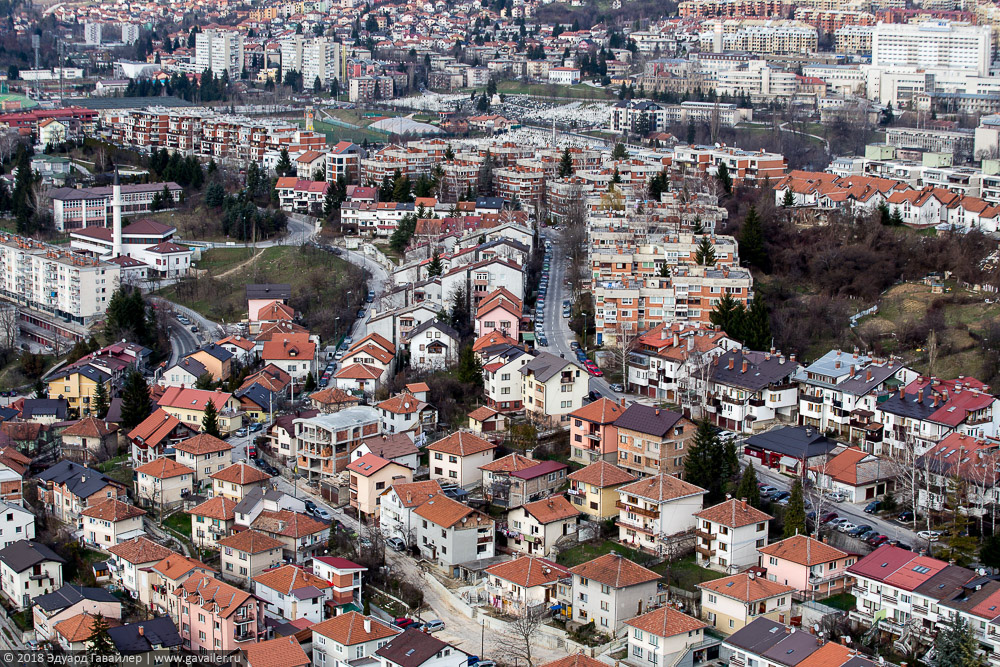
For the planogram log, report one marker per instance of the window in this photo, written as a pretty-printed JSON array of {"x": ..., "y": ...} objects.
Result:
[
  {"x": 605, "y": 589},
  {"x": 712, "y": 598},
  {"x": 438, "y": 456},
  {"x": 637, "y": 651},
  {"x": 604, "y": 605}
]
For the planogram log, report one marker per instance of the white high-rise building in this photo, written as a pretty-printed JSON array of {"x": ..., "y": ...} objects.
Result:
[
  {"x": 130, "y": 33},
  {"x": 933, "y": 45},
  {"x": 220, "y": 51},
  {"x": 92, "y": 33},
  {"x": 313, "y": 57}
]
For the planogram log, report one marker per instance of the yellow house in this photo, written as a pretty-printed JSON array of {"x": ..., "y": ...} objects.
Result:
[
  {"x": 371, "y": 476},
  {"x": 216, "y": 359},
  {"x": 594, "y": 489},
  {"x": 78, "y": 385}
]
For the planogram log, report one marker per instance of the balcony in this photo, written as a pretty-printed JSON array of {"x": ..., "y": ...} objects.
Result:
[
  {"x": 244, "y": 636},
  {"x": 704, "y": 551},
  {"x": 704, "y": 534},
  {"x": 638, "y": 527},
  {"x": 637, "y": 510},
  {"x": 811, "y": 399}
]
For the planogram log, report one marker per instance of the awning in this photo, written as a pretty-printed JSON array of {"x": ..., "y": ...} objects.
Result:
[
  {"x": 555, "y": 607},
  {"x": 788, "y": 462}
]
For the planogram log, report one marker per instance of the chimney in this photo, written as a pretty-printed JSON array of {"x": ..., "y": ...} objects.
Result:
[
  {"x": 852, "y": 370},
  {"x": 743, "y": 504},
  {"x": 868, "y": 375},
  {"x": 837, "y": 364},
  {"x": 677, "y": 339},
  {"x": 732, "y": 362},
  {"x": 142, "y": 632},
  {"x": 843, "y": 639},
  {"x": 936, "y": 399},
  {"x": 621, "y": 401},
  {"x": 902, "y": 393},
  {"x": 920, "y": 395},
  {"x": 368, "y": 625},
  {"x": 116, "y": 217},
  {"x": 657, "y": 412},
  {"x": 744, "y": 369},
  {"x": 791, "y": 358}
]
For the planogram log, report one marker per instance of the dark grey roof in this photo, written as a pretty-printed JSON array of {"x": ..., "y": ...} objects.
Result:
[
  {"x": 98, "y": 103},
  {"x": 269, "y": 291},
  {"x": 250, "y": 500},
  {"x": 859, "y": 661},
  {"x": 545, "y": 365},
  {"x": 489, "y": 202},
  {"x": 793, "y": 649},
  {"x": 258, "y": 394},
  {"x": 412, "y": 648},
  {"x": 114, "y": 414},
  {"x": 70, "y": 594},
  {"x": 192, "y": 366},
  {"x": 794, "y": 441},
  {"x": 22, "y": 554},
  {"x": 7, "y": 413},
  {"x": 762, "y": 369},
  {"x": 307, "y": 593},
  {"x": 758, "y": 636},
  {"x": 217, "y": 351},
  {"x": 441, "y": 326},
  {"x": 86, "y": 370},
  {"x": 910, "y": 407},
  {"x": 946, "y": 583},
  {"x": 45, "y": 407},
  {"x": 159, "y": 632},
  {"x": 647, "y": 419},
  {"x": 81, "y": 481}
]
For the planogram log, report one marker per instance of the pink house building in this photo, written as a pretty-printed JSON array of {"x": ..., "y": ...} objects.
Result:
[
  {"x": 814, "y": 568},
  {"x": 592, "y": 432},
  {"x": 215, "y": 616},
  {"x": 500, "y": 311}
]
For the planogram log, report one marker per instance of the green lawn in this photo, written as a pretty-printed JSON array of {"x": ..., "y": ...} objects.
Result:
[
  {"x": 335, "y": 133},
  {"x": 842, "y": 601},
  {"x": 591, "y": 550},
  {"x": 180, "y": 522},
  {"x": 24, "y": 620},
  {"x": 686, "y": 574}
]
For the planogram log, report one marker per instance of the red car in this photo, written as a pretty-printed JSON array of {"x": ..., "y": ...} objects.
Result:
[
  {"x": 402, "y": 622},
  {"x": 827, "y": 518},
  {"x": 592, "y": 368}
]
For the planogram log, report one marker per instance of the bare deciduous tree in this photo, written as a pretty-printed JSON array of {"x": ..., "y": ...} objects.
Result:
[
  {"x": 517, "y": 640},
  {"x": 9, "y": 327},
  {"x": 621, "y": 339},
  {"x": 902, "y": 462}
]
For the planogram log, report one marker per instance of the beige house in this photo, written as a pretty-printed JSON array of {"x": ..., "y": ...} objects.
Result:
[
  {"x": 205, "y": 455},
  {"x": 163, "y": 483},
  {"x": 73, "y": 633},
  {"x": 27, "y": 570},
  {"x": 730, "y": 603},
  {"x": 458, "y": 457},
  {"x": 729, "y": 535},
  {"x": 371, "y": 476},
  {"x": 248, "y": 553},
  {"x": 539, "y": 525},
  {"x": 594, "y": 489},
  {"x": 69, "y": 601},
  {"x": 236, "y": 480},
  {"x": 211, "y": 521},
  {"x": 164, "y": 578},
  {"x": 109, "y": 522}
]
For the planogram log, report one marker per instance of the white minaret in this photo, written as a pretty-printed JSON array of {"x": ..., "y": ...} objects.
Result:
[
  {"x": 116, "y": 217},
  {"x": 717, "y": 38}
]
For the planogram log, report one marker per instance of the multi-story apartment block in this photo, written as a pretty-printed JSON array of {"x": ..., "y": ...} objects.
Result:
[
  {"x": 75, "y": 208},
  {"x": 653, "y": 509},
  {"x": 729, "y": 535},
  {"x": 219, "y": 51},
  {"x": 734, "y": 8},
  {"x": 611, "y": 589},
  {"x": 502, "y": 378},
  {"x": 933, "y": 45},
  {"x": 218, "y": 617},
  {"x": 452, "y": 533},
  {"x": 312, "y": 57},
  {"x": 652, "y": 440},
  {"x": 593, "y": 436},
  {"x": 815, "y": 568},
  {"x": 755, "y": 36},
  {"x": 627, "y": 116},
  {"x": 853, "y": 39},
  {"x": 324, "y": 442},
  {"x": 524, "y": 184},
  {"x": 671, "y": 363},
  {"x": 594, "y": 489},
  {"x": 749, "y": 390}
]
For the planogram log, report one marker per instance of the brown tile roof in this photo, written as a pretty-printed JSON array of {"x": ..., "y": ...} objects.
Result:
[
  {"x": 349, "y": 629},
  {"x": 155, "y": 427},
  {"x": 482, "y": 413},
  {"x": 21, "y": 431},
  {"x": 212, "y": 595},
  {"x": 368, "y": 465},
  {"x": 614, "y": 570},
  {"x": 390, "y": 445},
  {"x": 412, "y": 494},
  {"x": 112, "y": 509},
  {"x": 510, "y": 463},
  {"x": 140, "y": 550},
  {"x": 832, "y": 654},
  {"x": 661, "y": 487},
  {"x": 80, "y": 628},
  {"x": 287, "y": 523},
  {"x": 203, "y": 443},
  {"x": 280, "y": 652},
  {"x": 241, "y": 473},
  {"x": 803, "y": 550},
  {"x": 461, "y": 443},
  {"x": 601, "y": 411},
  {"x": 746, "y": 587},
  {"x": 288, "y": 578},
  {"x": 401, "y": 404},
  {"x": 602, "y": 475},
  {"x": 333, "y": 396},
  {"x": 14, "y": 460},
  {"x": 164, "y": 468},
  {"x": 358, "y": 372},
  {"x": 575, "y": 660},
  {"x": 528, "y": 571},
  {"x": 223, "y": 509},
  {"x": 445, "y": 512},
  {"x": 733, "y": 513},
  {"x": 175, "y": 565},
  {"x": 417, "y": 387},
  {"x": 666, "y": 622},
  {"x": 90, "y": 427},
  {"x": 553, "y": 508},
  {"x": 250, "y": 541}
]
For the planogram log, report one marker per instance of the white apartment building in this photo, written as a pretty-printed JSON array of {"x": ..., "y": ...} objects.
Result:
[
  {"x": 729, "y": 535},
  {"x": 396, "y": 518},
  {"x": 219, "y": 51},
  {"x": 611, "y": 589},
  {"x": 312, "y": 57},
  {"x": 654, "y": 508},
  {"x": 347, "y": 637},
  {"x": 553, "y": 387},
  {"x": 16, "y": 523},
  {"x": 58, "y": 283},
  {"x": 92, "y": 33},
  {"x": 933, "y": 45},
  {"x": 452, "y": 533},
  {"x": 27, "y": 570}
]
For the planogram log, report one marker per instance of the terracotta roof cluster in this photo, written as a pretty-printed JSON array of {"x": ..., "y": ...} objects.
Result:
[
  {"x": 666, "y": 622},
  {"x": 288, "y": 578},
  {"x": 803, "y": 550},
  {"x": 250, "y": 541},
  {"x": 90, "y": 427},
  {"x": 553, "y": 508},
  {"x": 661, "y": 488},
  {"x": 354, "y": 628},
  {"x": 412, "y": 494},
  {"x": 175, "y": 565},
  {"x": 164, "y": 468},
  {"x": 219, "y": 507},
  {"x": 241, "y": 473},
  {"x": 461, "y": 443},
  {"x": 445, "y": 512},
  {"x": 528, "y": 571},
  {"x": 80, "y": 628},
  {"x": 212, "y": 595},
  {"x": 203, "y": 443},
  {"x": 601, "y": 411},
  {"x": 279, "y": 652},
  {"x": 287, "y": 523},
  {"x": 140, "y": 550}
]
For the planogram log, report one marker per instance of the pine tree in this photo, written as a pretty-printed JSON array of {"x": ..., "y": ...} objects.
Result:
[
  {"x": 725, "y": 180},
  {"x": 795, "y": 514},
  {"x": 566, "y": 164},
  {"x": 748, "y": 486},
  {"x": 99, "y": 642},
  {"x": 330, "y": 201},
  {"x": 284, "y": 166},
  {"x": 751, "y": 241},
  {"x": 756, "y": 326},
  {"x": 99, "y": 404},
  {"x": 435, "y": 268},
  {"x": 470, "y": 370},
  {"x": 619, "y": 152},
  {"x": 705, "y": 464},
  {"x": 896, "y": 218},
  {"x": 704, "y": 254},
  {"x": 166, "y": 197},
  {"x": 789, "y": 199},
  {"x": 690, "y": 132},
  {"x": 728, "y": 316},
  {"x": 210, "y": 422},
  {"x": 956, "y": 644},
  {"x": 310, "y": 383},
  {"x": 135, "y": 400}
]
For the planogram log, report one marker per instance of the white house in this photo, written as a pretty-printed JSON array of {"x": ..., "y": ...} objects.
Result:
[
  {"x": 111, "y": 522},
  {"x": 291, "y": 593},
  {"x": 502, "y": 380},
  {"x": 163, "y": 483},
  {"x": 404, "y": 413},
  {"x": 345, "y": 579},
  {"x": 456, "y": 458},
  {"x": 662, "y": 637},
  {"x": 432, "y": 345},
  {"x": 131, "y": 560},
  {"x": 729, "y": 535},
  {"x": 523, "y": 583},
  {"x": 539, "y": 525},
  {"x": 611, "y": 589},
  {"x": 553, "y": 387},
  {"x": 396, "y": 518},
  {"x": 654, "y": 508},
  {"x": 16, "y": 523},
  {"x": 28, "y": 569},
  {"x": 452, "y": 533},
  {"x": 347, "y": 637},
  {"x": 395, "y": 447},
  {"x": 414, "y": 648}
]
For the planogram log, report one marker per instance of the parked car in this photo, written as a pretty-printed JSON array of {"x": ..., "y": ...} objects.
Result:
[
  {"x": 836, "y": 523},
  {"x": 878, "y": 541},
  {"x": 859, "y": 530},
  {"x": 767, "y": 490},
  {"x": 617, "y": 387},
  {"x": 905, "y": 516},
  {"x": 828, "y": 517},
  {"x": 901, "y": 545},
  {"x": 836, "y": 496},
  {"x": 256, "y": 426},
  {"x": 594, "y": 395},
  {"x": 241, "y": 433},
  {"x": 434, "y": 625},
  {"x": 847, "y": 527},
  {"x": 403, "y": 622},
  {"x": 873, "y": 506},
  {"x": 872, "y": 536},
  {"x": 929, "y": 535},
  {"x": 310, "y": 506},
  {"x": 780, "y": 495},
  {"x": 396, "y": 544},
  {"x": 322, "y": 514}
]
